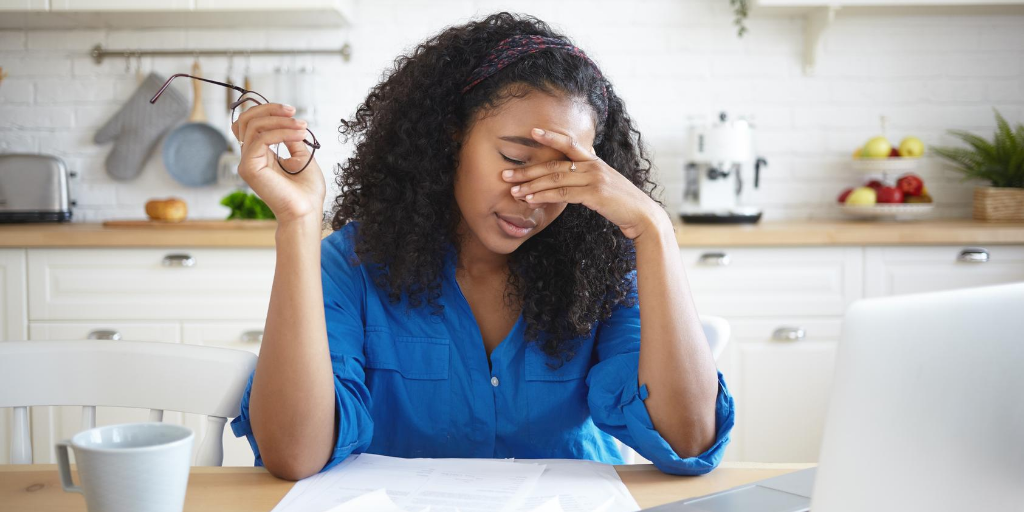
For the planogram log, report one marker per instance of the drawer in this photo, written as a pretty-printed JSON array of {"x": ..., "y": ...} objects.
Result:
[
  {"x": 149, "y": 284},
  {"x": 745, "y": 282},
  {"x": 233, "y": 335},
  {"x": 53, "y": 424},
  {"x": 901, "y": 270}
]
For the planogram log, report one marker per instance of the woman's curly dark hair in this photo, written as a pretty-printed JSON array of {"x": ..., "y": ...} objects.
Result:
[{"x": 399, "y": 184}]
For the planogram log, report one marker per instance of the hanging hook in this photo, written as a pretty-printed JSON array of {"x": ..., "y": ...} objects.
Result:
[
  {"x": 127, "y": 62},
  {"x": 138, "y": 67}
]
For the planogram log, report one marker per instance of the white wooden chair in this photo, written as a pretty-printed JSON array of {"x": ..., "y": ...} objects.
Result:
[
  {"x": 156, "y": 376},
  {"x": 717, "y": 331}
]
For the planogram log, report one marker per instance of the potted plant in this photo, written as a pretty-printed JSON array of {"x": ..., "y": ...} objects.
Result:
[{"x": 1000, "y": 162}]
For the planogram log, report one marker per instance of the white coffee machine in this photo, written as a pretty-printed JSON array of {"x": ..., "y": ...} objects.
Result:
[{"x": 721, "y": 152}]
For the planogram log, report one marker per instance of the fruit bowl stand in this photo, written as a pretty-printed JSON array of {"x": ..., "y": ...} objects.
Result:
[
  {"x": 884, "y": 167},
  {"x": 887, "y": 211}
]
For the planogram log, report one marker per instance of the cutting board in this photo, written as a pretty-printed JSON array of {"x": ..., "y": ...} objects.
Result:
[{"x": 193, "y": 224}]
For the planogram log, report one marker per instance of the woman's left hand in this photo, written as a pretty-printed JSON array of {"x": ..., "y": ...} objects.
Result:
[{"x": 593, "y": 184}]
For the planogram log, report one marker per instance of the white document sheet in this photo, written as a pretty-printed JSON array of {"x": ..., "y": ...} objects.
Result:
[
  {"x": 578, "y": 486},
  {"x": 466, "y": 485},
  {"x": 375, "y": 482}
]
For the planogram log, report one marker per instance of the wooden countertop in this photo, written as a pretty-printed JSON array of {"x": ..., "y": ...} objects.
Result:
[
  {"x": 37, "y": 486},
  {"x": 767, "y": 233}
]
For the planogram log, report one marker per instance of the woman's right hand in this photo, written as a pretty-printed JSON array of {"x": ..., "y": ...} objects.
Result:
[{"x": 289, "y": 196}]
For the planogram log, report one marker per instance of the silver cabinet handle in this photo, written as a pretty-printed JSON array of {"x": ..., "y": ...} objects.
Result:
[
  {"x": 789, "y": 334},
  {"x": 252, "y": 337},
  {"x": 973, "y": 255},
  {"x": 101, "y": 334},
  {"x": 719, "y": 259},
  {"x": 179, "y": 260}
]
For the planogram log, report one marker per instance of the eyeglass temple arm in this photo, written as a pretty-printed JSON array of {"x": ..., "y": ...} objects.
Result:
[{"x": 168, "y": 82}]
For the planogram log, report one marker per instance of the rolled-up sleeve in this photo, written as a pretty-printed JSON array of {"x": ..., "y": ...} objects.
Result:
[
  {"x": 343, "y": 293},
  {"x": 617, "y": 400}
]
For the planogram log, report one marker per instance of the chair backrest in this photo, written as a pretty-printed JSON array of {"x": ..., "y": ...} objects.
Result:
[
  {"x": 717, "y": 331},
  {"x": 156, "y": 376}
]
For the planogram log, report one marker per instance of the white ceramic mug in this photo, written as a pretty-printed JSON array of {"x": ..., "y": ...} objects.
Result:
[{"x": 134, "y": 467}]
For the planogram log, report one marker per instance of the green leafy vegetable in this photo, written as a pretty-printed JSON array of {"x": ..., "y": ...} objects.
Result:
[{"x": 246, "y": 205}]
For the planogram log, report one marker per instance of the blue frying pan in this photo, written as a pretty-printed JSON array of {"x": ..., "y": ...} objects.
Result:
[{"x": 192, "y": 150}]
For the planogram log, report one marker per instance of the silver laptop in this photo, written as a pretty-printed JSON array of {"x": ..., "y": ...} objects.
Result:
[{"x": 926, "y": 412}]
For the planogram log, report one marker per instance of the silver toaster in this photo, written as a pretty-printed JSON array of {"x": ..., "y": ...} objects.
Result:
[{"x": 34, "y": 188}]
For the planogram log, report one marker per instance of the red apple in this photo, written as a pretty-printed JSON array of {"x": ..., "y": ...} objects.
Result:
[
  {"x": 875, "y": 184},
  {"x": 894, "y": 153},
  {"x": 910, "y": 184},
  {"x": 890, "y": 195},
  {"x": 846, "y": 192}
]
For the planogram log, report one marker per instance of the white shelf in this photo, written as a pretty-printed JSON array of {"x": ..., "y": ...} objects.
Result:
[
  {"x": 819, "y": 15},
  {"x": 61, "y": 14},
  {"x": 885, "y": 165}
]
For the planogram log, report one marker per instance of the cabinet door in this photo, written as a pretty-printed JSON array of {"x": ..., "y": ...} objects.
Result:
[
  {"x": 13, "y": 296},
  {"x": 121, "y": 5},
  {"x": 53, "y": 424},
  {"x": 743, "y": 281},
  {"x": 901, "y": 270},
  {"x": 149, "y": 284},
  {"x": 233, "y": 335},
  {"x": 781, "y": 384},
  {"x": 13, "y": 323}
]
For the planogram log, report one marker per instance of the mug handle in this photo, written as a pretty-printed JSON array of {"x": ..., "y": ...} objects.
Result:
[{"x": 64, "y": 467}]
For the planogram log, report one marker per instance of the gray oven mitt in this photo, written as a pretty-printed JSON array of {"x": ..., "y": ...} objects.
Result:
[{"x": 139, "y": 125}]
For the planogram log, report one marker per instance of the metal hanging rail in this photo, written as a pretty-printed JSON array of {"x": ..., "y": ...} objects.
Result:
[{"x": 99, "y": 53}]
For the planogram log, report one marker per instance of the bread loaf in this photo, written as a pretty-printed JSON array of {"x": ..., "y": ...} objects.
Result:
[{"x": 171, "y": 209}]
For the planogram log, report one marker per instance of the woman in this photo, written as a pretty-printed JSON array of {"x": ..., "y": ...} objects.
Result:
[{"x": 493, "y": 240}]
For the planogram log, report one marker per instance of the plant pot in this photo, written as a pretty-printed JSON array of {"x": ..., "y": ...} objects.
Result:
[{"x": 999, "y": 204}]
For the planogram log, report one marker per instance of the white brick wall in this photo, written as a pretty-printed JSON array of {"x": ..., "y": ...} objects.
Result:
[{"x": 670, "y": 59}]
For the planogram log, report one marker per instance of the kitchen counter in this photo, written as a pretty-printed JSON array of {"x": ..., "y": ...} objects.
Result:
[{"x": 767, "y": 233}]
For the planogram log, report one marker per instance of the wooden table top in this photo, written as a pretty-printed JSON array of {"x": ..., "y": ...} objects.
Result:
[
  {"x": 36, "y": 487},
  {"x": 763, "y": 234}
]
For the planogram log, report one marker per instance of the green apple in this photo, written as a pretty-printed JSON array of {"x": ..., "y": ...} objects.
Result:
[
  {"x": 877, "y": 147},
  {"x": 864, "y": 196},
  {"x": 911, "y": 147}
]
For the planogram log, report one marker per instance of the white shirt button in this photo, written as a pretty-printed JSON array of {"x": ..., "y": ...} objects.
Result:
[{"x": 494, "y": 381}]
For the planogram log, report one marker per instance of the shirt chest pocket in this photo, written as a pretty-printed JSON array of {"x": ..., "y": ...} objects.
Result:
[
  {"x": 556, "y": 395},
  {"x": 408, "y": 379}
]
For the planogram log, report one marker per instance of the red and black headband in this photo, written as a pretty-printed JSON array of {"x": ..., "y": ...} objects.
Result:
[{"x": 515, "y": 47}]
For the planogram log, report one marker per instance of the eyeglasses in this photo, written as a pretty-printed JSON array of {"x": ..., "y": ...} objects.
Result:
[{"x": 236, "y": 110}]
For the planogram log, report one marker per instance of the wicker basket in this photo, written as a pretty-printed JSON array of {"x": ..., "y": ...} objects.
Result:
[{"x": 999, "y": 204}]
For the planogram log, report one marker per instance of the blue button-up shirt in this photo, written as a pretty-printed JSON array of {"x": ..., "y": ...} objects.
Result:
[{"x": 409, "y": 383}]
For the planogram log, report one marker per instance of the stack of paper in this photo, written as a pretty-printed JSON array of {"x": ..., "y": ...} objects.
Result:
[{"x": 375, "y": 482}]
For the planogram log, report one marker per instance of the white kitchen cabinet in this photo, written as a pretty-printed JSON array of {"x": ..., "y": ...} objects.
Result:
[
  {"x": 149, "y": 284},
  {"x": 12, "y": 324},
  {"x": 899, "y": 270},
  {"x": 231, "y": 335},
  {"x": 13, "y": 295},
  {"x": 53, "y": 424},
  {"x": 743, "y": 281},
  {"x": 781, "y": 382}
]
